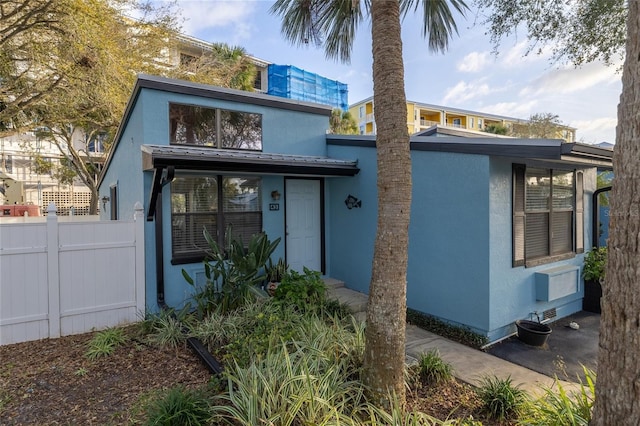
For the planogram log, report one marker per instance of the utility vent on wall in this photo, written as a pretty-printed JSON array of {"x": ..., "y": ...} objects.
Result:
[{"x": 548, "y": 314}]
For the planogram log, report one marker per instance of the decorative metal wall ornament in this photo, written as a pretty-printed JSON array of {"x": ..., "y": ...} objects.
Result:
[{"x": 352, "y": 202}]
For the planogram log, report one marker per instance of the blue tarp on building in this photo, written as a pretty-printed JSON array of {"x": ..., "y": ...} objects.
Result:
[{"x": 291, "y": 82}]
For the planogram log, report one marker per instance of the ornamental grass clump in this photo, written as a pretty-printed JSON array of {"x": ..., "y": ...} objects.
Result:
[
  {"x": 501, "y": 399},
  {"x": 105, "y": 342},
  {"x": 559, "y": 407},
  {"x": 433, "y": 369},
  {"x": 179, "y": 406}
]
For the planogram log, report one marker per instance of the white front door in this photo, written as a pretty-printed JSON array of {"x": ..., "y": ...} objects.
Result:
[{"x": 303, "y": 227}]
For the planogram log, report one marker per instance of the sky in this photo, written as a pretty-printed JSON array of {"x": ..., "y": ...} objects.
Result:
[{"x": 468, "y": 76}]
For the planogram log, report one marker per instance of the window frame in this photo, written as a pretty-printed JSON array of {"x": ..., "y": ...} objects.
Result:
[
  {"x": 519, "y": 217},
  {"x": 217, "y": 125},
  {"x": 219, "y": 216}
]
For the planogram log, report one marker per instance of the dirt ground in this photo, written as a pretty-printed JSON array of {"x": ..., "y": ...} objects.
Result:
[{"x": 52, "y": 382}]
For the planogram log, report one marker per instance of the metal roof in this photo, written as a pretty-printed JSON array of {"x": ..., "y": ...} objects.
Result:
[
  {"x": 551, "y": 150},
  {"x": 243, "y": 161}
]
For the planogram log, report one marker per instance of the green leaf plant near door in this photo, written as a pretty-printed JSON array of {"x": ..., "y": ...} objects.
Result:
[
  {"x": 232, "y": 275},
  {"x": 593, "y": 272}
]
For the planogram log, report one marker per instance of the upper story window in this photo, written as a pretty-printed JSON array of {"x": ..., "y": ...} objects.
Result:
[
  {"x": 361, "y": 112},
  {"x": 257, "y": 83},
  {"x": 7, "y": 160},
  {"x": 548, "y": 217},
  {"x": 186, "y": 59},
  {"x": 96, "y": 143},
  {"x": 216, "y": 128}
]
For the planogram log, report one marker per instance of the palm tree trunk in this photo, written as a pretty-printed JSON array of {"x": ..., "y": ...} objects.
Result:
[
  {"x": 618, "y": 385},
  {"x": 386, "y": 313}
]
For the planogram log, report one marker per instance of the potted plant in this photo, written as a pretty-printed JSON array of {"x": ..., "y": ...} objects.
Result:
[
  {"x": 275, "y": 274},
  {"x": 595, "y": 263}
]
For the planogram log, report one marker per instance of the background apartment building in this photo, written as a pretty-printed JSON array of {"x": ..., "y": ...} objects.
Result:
[{"x": 421, "y": 116}]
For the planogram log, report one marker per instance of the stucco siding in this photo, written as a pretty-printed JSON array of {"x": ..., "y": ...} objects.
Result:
[
  {"x": 449, "y": 238},
  {"x": 448, "y": 271},
  {"x": 283, "y": 131},
  {"x": 279, "y": 127},
  {"x": 513, "y": 289}
]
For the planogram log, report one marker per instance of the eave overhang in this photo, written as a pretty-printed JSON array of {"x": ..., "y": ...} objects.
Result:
[
  {"x": 164, "y": 161},
  {"x": 241, "y": 161},
  {"x": 541, "y": 150}
]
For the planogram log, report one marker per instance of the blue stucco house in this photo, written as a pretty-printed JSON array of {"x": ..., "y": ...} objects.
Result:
[{"x": 498, "y": 226}]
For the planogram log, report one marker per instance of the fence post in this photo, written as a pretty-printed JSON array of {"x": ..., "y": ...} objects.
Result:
[
  {"x": 53, "y": 271},
  {"x": 138, "y": 218}
]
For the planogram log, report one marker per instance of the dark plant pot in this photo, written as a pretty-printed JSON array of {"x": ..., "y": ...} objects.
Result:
[
  {"x": 592, "y": 295},
  {"x": 533, "y": 333}
]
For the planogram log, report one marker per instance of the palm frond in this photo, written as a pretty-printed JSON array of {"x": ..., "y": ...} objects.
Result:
[
  {"x": 320, "y": 22},
  {"x": 439, "y": 24}
]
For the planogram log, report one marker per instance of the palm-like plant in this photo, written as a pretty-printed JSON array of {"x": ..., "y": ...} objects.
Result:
[{"x": 333, "y": 24}]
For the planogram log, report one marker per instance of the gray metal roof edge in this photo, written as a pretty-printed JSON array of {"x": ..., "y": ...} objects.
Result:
[{"x": 248, "y": 156}]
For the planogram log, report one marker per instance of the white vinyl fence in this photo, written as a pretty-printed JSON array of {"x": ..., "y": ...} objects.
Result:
[{"x": 69, "y": 275}]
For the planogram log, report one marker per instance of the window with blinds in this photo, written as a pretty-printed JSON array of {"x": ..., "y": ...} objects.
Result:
[
  {"x": 547, "y": 214},
  {"x": 214, "y": 203}
]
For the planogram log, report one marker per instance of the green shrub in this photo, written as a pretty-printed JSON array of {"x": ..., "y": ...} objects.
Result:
[
  {"x": 458, "y": 334},
  {"x": 179, "y": 406},
  {"x": 233, "y": 274},
  {"x": 298, "y": 388},
  {"x": 433, "y": 369},
  {"x": 166, "y": 328},
  {"x": 557, "y": 407},
  {"x": 307, "y": 291},
  {"x": 595, "y": 263},
  {"x": 252, "y": 330},
  {"x": 105, "y": 342},
  {"x": 500, "y": 398},
  {"x": 335, "y": 308}
]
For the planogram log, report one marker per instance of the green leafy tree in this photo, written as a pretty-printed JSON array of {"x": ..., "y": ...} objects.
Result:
[
  {"x": 222, "y": 65},
  {"x": 70, "y": 72},
  {"x": 342, "y": 123},
  {"x": 24, "y": 24},
  {"x": 333, "y": 24},
  {"x": 496, "y": 129},
  {"x": 576, "y": 31},
  {"x": 541, "y": 125}
]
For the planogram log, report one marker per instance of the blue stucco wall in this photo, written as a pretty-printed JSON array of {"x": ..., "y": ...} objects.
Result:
[
  {"x": 284, "y": 131},
  {"x": 460, "y": 246},
  {"x": 448, "y": 271},
  {"x": 513, "y": 292},
  {"x": 126, "y": 160}
]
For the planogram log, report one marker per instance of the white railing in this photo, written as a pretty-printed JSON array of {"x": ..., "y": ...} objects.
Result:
[
  {"x": 428, "y": 123},
  {"x": 69, "y": 275}
]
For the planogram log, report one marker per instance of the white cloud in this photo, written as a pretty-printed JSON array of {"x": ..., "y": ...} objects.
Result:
[
  {"x": 473, "y": 62},
  {"x": 571, "y": 80},
  {"x": 512, "y": 109},
  {"x": 515, "y": 57},
  {"x": 596, "y": 130},
  {"x": 463, "y": 92},
  {"x": 202, "y": 15}
]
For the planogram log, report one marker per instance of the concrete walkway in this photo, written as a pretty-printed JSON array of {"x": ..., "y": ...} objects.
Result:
[{"x": 469, "y": 365}]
